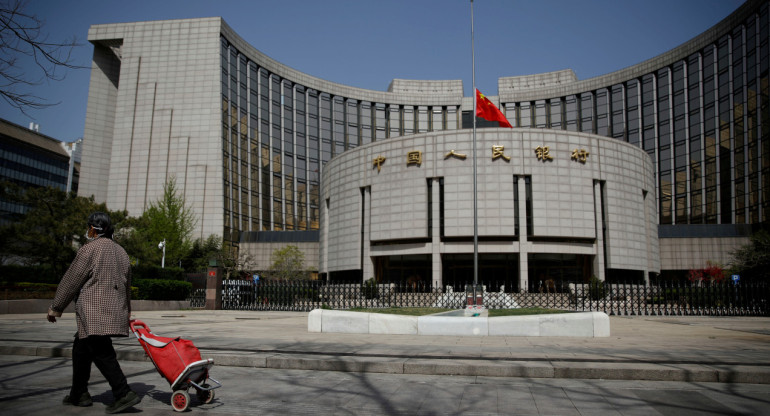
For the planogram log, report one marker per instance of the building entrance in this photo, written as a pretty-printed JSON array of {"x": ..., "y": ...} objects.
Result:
[
  {"x": 560, "y": 269},
  {"x": 411, "y": 271},
  {"x": 495, "y": 271}
]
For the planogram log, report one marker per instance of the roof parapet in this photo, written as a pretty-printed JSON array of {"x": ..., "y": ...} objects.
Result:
[
  {"x": 443, "y": 87},
  {"x": 536, "y": 81}
]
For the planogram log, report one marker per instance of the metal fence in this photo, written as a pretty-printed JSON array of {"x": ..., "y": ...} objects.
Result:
[{"x": 612, "y": 298}]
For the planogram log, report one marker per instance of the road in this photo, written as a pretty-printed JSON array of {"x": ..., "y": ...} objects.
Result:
[{"x": 36, "y": 385}]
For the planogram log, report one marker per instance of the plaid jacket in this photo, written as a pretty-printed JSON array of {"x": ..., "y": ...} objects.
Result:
[{"x": 99, "y": 279}]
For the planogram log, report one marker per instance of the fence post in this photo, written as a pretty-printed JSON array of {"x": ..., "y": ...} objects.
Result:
[{"x": 213, "y": 288}]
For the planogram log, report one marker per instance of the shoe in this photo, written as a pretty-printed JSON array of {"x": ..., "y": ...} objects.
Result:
[
  {"x": 124, "y": 403},
  {"x": 84, "y": 400}
]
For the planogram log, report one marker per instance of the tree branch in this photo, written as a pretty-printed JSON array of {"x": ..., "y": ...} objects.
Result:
[{"x": 21, "y": 34}]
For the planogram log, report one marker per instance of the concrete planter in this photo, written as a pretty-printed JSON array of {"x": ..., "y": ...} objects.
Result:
[{"x": 578, "y": 324}]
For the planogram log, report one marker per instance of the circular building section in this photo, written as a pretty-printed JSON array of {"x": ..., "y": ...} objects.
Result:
[{"x": 552, "y": 206}]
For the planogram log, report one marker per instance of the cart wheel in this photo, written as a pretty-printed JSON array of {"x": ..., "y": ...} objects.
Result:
[
  {"x": 180, "y": 400},
  {"x": 205, "y": 396}
]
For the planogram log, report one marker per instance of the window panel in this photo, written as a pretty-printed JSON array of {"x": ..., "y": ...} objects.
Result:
[
  {"x": 571, "y": 112},
  {"x": 555, "y": 114},
  {"x": 586, "y": 112},
  {"x": 541, "y": 118},
  {"x": 525, "y": 113}
]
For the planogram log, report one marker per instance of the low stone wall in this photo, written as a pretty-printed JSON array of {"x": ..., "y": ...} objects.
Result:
[
  {"x": 41, "y": 306},
  {"x": 578, "y": 324}
]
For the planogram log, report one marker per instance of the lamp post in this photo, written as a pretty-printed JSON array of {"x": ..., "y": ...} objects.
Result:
[
  {"x": 73, "y": 149},
  {"x": 162, "y": 246}
]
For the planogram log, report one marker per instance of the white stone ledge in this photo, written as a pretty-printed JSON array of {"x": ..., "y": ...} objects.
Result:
[{"x": 577, "y": 324}]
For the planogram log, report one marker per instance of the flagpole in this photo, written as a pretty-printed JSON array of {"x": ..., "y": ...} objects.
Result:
[{"x": 475, "y": 192}]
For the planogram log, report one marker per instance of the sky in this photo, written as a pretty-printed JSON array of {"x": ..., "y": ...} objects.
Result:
[{"x": 368, "y": 43}]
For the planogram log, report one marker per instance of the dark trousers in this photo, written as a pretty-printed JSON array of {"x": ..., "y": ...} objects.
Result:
[{"x": 98, "y": 350}]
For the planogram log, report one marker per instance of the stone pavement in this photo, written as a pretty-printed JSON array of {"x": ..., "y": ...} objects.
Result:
[{"x": 670, "y": 348}]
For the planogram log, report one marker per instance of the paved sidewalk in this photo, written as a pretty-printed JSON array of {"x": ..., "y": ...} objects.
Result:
[{"x": 698, "y": 349}]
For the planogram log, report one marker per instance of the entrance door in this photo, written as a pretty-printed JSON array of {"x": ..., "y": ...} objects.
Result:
[
  {"x": 495, "y": 271},
  {"x": 559, "y": 268}
]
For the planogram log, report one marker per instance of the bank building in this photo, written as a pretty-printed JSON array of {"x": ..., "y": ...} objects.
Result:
[{"x": 641, "y": 173}]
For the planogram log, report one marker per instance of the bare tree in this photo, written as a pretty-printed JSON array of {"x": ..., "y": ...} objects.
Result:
[{"x": 23, "y": 41}]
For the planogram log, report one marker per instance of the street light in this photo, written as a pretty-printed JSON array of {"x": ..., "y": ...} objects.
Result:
[
  {"x": 162, "y": 246},
  {"x": 73, "y": 148}
]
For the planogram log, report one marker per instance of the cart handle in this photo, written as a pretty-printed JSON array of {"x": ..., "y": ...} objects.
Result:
[{"x": 135, "y": 323}]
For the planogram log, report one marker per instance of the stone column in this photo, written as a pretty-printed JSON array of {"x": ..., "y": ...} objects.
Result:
[
  {"x": 523, "y": 243},
  {"x": 598, "y": 266},
  {"x": 435, "y": 226},
  {"x": 367, "y": 267}
]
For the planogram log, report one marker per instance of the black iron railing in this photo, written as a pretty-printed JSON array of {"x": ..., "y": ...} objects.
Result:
[{"x": 612, "y": 298}]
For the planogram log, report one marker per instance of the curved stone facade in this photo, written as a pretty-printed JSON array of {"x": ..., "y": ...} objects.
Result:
[
  {"x": 247, "y": 138},
  {"x": 540, "y": 193}
]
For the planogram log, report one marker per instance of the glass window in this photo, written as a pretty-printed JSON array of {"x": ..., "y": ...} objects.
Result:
[
  {"x": 437, "y": 119},
  {"x": 339, "y": 137},
  {"x": 367, "y": 134},
  {"x": 351, "y": 117},
  {"x": 602, "y": 110},
  {"x": 571, "y": 112},
  {"x": 326, "y": 150},
  {"x": 408, "y": 118},
  {"x": 451, "y": 118},
  {"x": 326, "y": 118},
  {"x": 665, "y": 198},
  {"x": 525, "y": 112},
  {"x": 541, "y": 117},
  {"x": 555, "y": 113},
  {"x": 586, "y": 112},
  {"x": 618, "y": 111},
  {"x": 423, "y": 121},
  {"x": 510, "y": 114},
  {"x": 299, "y": 97},
  {"x": 648, "y": 139},
  {"x": 677, "y": 77},
  {"x": 633, "y": 118},
  {"x": 380, "y": 121},
  {"x": 394, "y": 121}
]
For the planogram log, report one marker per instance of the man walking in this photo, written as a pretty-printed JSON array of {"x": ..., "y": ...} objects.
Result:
[{"x": 99, "y": 281}]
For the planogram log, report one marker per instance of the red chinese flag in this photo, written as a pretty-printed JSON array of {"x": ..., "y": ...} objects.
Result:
[{"x": 488, "y": 111}]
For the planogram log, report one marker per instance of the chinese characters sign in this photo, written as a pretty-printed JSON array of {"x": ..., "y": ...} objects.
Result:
[
  {"x": 378, "y": 161},
  {"x": 414, "y": 158},
  {"x": 453, "y": 153},
  {"x": 581, "y": 155},
  {"x": 497, "y": 152},
  {"x": 542, "y": 153}
]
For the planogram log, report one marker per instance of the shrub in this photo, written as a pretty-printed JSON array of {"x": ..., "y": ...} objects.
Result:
[
  {"x": 369, "y": 289},
  {"x": 37, "y": 287},
  {"x": 26, "y": 290},
  {"x": 14, "y": 273},
  {"x": 157, "y": 272},
  {"x": 713, "y": 273},
  {"x": 596, "y": 289},
  {"x": 156, "y": 289}
]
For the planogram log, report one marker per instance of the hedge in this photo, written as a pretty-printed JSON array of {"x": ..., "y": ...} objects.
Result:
[
  {"x": 14, "y": 273},
  {"x": 157, "y": 272},
  {"x": 157, "y": 289}
]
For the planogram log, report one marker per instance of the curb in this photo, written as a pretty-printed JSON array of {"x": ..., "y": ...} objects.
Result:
[{"x": 706, "y": 373}]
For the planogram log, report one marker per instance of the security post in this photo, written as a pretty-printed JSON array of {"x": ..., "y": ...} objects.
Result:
[{"x": 214, "y": 286}]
